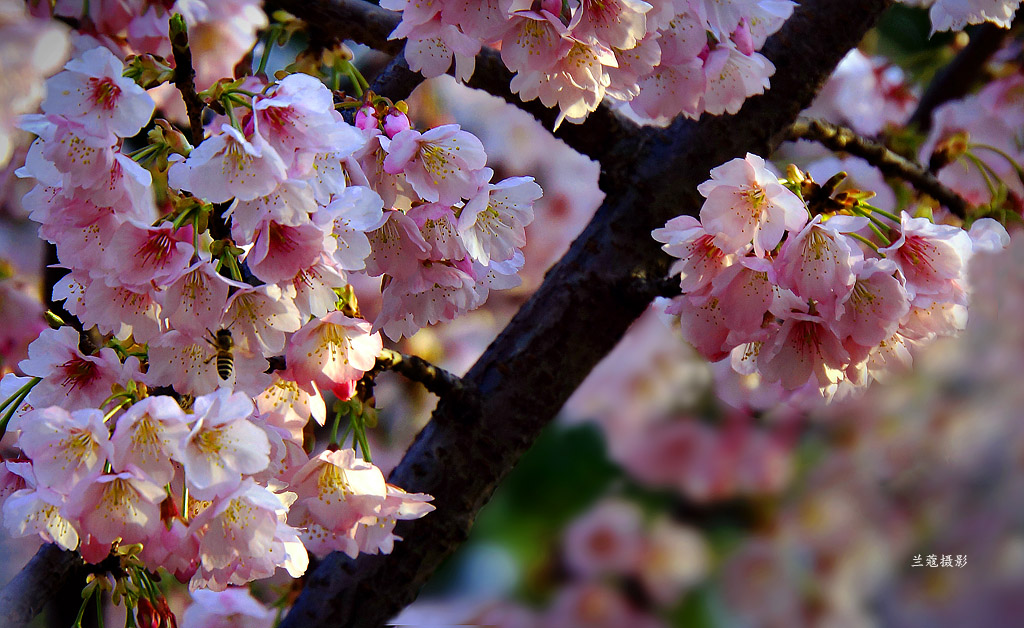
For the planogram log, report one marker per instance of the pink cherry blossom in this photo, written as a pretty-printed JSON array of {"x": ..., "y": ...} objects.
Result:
[
  {"x": 238, "y": 533},
  {"x": 931, "y": 257},
  {"x": 69, "y": 377},
  {"x": 262, "y": 316},
  {"x": 701, "y": 319},
  {"x": 288, "y": 204},
  {"x": 493, "y": 223},
  {"x": 196, "y": 299},
  {"x": 148, "y": 435},
  {"x": 617, "y": 24},
  {"x": 229, "y": 165},
  {"x": 805, "y": 346},
  {"x": 287, "y": 405},
  {"x": 223, "y": 444},
  {"x": 279, "y": 252},
  {"x": 113, "y": 506},
  {"x": 817, "y": 262},
  {"x": 732, "y": 77},
  {"x": 606, "y": 540},
  {"x": 232, "y": 608},
  {"x": 437, "y": 292},
  {"x": 439, "y": 164},
  {"x": 92, "y": 91},
  {"x": 745, "y": 202},
  {"x": 163, "y": 253},
  {"x": 64, "y": 447},
  {"x": 351, "y": 214},
  {"x": 700, "y": 260},
  {"x": 36, "y": 510},
  {"x": 298, "y": 118},
  {"x": 874, "y": 307},
  {"x": 333, "y": 351}
]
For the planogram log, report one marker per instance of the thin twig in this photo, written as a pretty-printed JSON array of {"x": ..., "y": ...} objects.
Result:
[
  {"x": 185, "y": 78},
  {"x": 434, "y": 378},
  {"x": 840, "y": 138}
]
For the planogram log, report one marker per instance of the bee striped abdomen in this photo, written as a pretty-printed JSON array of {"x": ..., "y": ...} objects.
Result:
[{"x": 225, "y": 361}]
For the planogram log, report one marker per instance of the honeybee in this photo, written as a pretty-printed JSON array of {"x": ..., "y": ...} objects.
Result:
[{"x": 223, "y": 343}]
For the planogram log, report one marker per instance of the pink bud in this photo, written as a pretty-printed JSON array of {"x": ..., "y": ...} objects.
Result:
[
  {"x": 396, "y": 122},
  {"x": 366, "y": 118},
  {"x": 743, "y": 39}
]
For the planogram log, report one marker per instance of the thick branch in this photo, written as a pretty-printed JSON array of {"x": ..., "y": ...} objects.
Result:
[
  {"x": 435, "y": 379},
  {"x": 842, "y": 139},
  {"x": 961, "y": 74},
  {"x": 583, "y": 308},
  {"x": 369, "y": 24},
  {"x": 35, "y": 585}
]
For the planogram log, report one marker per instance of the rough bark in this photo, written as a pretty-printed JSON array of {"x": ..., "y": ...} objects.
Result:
[
  {"x": 36, "y": 584},
  {"x": 583, "y": 308}
]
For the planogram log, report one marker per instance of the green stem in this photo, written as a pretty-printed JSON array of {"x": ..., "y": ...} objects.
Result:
[
  {"x": 858, "y": 236},
  {"x": 21, "y": 392},
  {"x": 875, "y": 224},
  {"x": 272, "y": 36},
  {"x": 143, "y": 152},
  {"x": 195, "y": 235},
  {"x": 1002, "y": 154},
  {"x": 117, "y": 408},
  {"x": 984, "y": 169},
  {"x": 891, "y": 216},
  {"x": 334, "y": 428}
]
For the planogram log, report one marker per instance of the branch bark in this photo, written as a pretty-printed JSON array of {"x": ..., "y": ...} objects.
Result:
[
  {"x": 433, "y": 378},
  {"x": 842, "y": 139},
  {"x": 36, "y": 584},
  {"x": 583, "y": 308}
]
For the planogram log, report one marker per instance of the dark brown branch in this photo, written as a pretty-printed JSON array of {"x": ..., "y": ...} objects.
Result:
[
  {"x": 369, "y": 24},
  {"x": 576, "y": 317},
  {"x": 891, "y": 164},
  {"x": 358, "y": 20},
  {"x": 435, "y": 379},
  {"x": 185, "y": 78},
  {"x": 961, "y": 74},
  {"x": 36, "y": 584}
]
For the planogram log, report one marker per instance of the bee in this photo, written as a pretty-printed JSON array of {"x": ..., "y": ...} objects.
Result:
[{"x": 223, "y": 343}]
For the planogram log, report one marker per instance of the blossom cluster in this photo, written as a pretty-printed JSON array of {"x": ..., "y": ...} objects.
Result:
[
  {"x": 664, "y": 58},
  {"x": 954, "y": 15},
  {"x": 975, "y": 144},
  {"x": 813, "y": 301},
  {"x": 196, "y": 268}
]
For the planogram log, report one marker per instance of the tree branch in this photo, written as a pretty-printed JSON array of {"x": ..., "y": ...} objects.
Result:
[
  {"x": 185, "y": 78},
  {"x": 36, "y": 584},
  {"x": 891, "y": 164},
  {"x": 434, "y": 379},
  {"x": 369, "y": 24},
  {"x": 961, "y": 74},
  {"x": 579, "y": 313}
]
